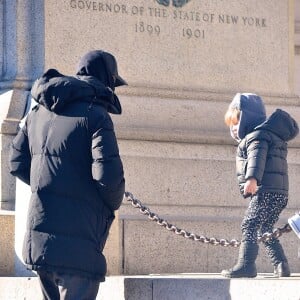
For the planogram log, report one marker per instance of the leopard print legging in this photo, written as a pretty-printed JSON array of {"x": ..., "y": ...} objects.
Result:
[{"x": 262, "y": 214}]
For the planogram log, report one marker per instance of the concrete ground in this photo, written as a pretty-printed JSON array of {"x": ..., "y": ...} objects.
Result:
[{"x": 170, "y": 287}]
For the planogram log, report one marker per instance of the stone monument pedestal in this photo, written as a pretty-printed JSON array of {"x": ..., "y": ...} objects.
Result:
[{"x": 7, "y": 243}]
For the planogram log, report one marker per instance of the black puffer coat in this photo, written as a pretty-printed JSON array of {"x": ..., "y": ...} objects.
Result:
[
  {"x": 262, "y": 154},
  {"x": 68, "y": 153}
]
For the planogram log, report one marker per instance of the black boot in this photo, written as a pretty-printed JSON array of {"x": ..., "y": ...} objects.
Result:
[
  {"x": 275, "y": 251},
  {"x": 282, "y": 270},
  {"x": 245, "y": 266}
]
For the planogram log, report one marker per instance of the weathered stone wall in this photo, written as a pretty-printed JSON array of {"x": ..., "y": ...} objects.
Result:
[{"x": 297, "y": 47}]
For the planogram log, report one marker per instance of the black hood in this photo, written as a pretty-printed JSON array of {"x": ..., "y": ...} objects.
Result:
[
  {"x": 55, "y": 91},
  {"x": 281, "y": 124},
  {"x": 252, "y": 114},
  {"x": 101, "y": 65}
]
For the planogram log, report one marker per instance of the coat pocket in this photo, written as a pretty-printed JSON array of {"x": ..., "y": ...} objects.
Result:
[{"x": 104, "y": 227}]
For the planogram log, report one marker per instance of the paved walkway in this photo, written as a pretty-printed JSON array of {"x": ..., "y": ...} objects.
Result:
[{"x": 171, "y": 287}]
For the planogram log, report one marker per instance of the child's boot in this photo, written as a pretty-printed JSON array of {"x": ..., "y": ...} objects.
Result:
[
  {"x": 275, "y": 252},
  {"x": 282, "y": 270},
  {"x": 245, "y": 266}
]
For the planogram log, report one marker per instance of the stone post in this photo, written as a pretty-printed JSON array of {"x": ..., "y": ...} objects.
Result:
[
  {"x": 21, "y": 60},
  {"x": 21, "y": 54}
]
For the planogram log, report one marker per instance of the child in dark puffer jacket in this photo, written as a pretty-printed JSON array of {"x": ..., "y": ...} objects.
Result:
[{"x": 262, "y": 172}]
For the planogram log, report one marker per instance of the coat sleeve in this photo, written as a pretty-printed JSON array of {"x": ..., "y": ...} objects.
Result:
[
  {"x": 107, "y": 167},
  {"x": 20, "y": 157},
  {"x": 257, "y": 150}
]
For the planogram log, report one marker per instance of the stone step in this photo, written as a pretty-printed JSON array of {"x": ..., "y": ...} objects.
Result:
[{"x": 170, "y": 287}]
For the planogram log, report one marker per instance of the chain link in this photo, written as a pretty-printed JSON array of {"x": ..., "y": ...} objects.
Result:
[{"x": 195, "y": 237}]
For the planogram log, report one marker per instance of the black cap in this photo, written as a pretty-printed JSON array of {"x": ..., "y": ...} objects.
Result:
[{"x": 102, "y": 65}]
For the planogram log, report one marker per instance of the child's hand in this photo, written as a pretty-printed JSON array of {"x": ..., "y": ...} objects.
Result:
[{"x": 250, "y": 187}]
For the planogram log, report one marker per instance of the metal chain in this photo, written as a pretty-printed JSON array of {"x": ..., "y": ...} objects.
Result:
[{"x": 199, "y": 238}]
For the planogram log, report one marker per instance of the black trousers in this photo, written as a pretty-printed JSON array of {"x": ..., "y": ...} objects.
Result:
[{"x": 60, "y": 286}]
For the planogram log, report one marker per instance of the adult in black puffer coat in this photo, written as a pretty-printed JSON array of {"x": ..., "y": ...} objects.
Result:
[
  {"x": 67, "y": 152},
  {"x": 262, "y": 172}
]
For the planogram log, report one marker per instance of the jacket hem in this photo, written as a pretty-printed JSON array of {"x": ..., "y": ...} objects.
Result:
[{"x": 97, "y": 277}]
